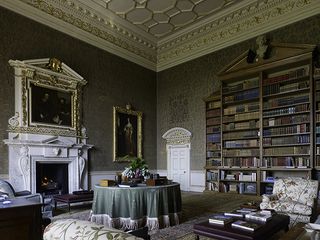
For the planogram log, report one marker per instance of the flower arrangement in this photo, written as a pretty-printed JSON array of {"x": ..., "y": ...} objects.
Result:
[{"x": 137, "y": 169}]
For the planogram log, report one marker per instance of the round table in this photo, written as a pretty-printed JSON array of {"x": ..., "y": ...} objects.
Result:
[{"x": 135, "y": 207}]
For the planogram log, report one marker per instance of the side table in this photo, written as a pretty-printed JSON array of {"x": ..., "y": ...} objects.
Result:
[{"x": 20, "y": 219}]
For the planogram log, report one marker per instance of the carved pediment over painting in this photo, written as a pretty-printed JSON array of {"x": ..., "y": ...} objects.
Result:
[{"x": 47, "y": 98}]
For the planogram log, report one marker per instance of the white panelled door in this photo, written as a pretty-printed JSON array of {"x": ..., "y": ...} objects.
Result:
[{"x": 179, "y": 159}]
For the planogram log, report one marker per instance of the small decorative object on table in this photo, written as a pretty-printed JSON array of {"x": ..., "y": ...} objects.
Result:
[{"x": 137, "y": 170}]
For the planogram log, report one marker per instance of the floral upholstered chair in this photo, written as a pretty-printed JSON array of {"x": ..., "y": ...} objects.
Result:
[{"x": 295, "y": 197}]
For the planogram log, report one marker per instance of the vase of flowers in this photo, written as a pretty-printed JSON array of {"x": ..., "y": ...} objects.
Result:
[{"x": 137, "y": 170}]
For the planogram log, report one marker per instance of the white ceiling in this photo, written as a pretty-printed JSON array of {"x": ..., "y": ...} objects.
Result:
[{"x": 159, "y": 34}]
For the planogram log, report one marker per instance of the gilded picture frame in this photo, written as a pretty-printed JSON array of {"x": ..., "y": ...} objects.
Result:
[
  {"x": 51, "y": 107},
  {"x": 127, "y": 134}
]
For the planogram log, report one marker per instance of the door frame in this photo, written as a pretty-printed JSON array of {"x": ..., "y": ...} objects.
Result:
[{"x": 178, "y": 138}]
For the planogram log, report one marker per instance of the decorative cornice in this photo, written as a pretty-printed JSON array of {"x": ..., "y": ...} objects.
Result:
[
  {"x": 241, "y": 25},
  {"x": 90, "y": 25}
]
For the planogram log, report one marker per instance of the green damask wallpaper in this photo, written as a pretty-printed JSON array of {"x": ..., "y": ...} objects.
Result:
[
  {"x": 112, "y": 81},
  {"x": 180, "y": 90}
]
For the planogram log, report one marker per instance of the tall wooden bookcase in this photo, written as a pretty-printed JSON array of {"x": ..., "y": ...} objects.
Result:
[
  {"x": 270, "y": 119},
  {"x": 213, "y": 140}
]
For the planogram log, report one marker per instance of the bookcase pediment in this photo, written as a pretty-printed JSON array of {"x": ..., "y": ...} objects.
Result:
[{"x": 278, "y": 53}]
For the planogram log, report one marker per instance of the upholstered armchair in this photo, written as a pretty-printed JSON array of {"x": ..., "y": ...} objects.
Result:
[
  {"x": 295, "y": 197},
  {"x": 7, "y": 189}
]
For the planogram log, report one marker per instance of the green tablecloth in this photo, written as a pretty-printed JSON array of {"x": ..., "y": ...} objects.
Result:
[{"x": 135, "y": 207}]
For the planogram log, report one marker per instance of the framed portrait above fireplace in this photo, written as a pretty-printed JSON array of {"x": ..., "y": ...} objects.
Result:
[
  {"x": 52, "y": 107},
  {"x": 127, "y": 134}
]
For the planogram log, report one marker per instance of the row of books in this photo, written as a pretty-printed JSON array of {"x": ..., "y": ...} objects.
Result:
[
  {"x": 241, "y": 116},
  {"x": 213, "y": 129},
  {"x": 240, "y": 152},
  {"x": 246, "y": 84},
  {"x": 212, "y": 186},
  {"x": 213, "y": 162},
  {"x": 299, "y": 128},
  {"x": 241, "y": 125},
  {"x": 215, "y": 154},
  {"x": 213, "y": 104},
  {"x": 289, "y": 162},
  {"x": 213, "y": 121},
  {"x": 246, "y": 95},
  {"x": 213, "y": 113},
  {"x": 241, "y": 108},
  {"x": 214, "y": 137},
  {"x": 280, "y": 88},
  {"x": 212, "y": 175},
  {"x": 241, "y": 143},
  {"x": 241, "y": 162},
  {"x": 241, "y": 187},
  {"x": 265, "y": 177},
  {"x": 213, "y": 146},
  {"x": 288, "y": 110},
  {"x": 242, "y": 134},
  {"x": 317, "y": 140},
  {"x": 278, "y": 102},
  {"x": 270, "y": 122},
  {"x": 268, "y": 141},
  {"x": 238, "y": 175},
  {"x": 286, "y": 75},
  {"x": 287, "y": 150}
]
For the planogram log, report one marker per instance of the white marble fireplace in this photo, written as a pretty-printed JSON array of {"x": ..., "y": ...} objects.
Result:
[
  {"x": 29, "y": 149},
  {"x": 47, "y": 128}
]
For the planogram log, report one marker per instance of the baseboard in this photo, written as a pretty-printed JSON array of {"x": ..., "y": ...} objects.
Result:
[{"x": 197, "y": 179}]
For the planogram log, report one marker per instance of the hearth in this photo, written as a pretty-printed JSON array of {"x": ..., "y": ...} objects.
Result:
[{"x": 52, "y": 178}]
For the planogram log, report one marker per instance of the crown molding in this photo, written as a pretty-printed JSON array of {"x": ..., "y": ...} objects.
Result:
[
  {"x": 79, "y": 22},
  {"x": 240, "y": 23},
  {"x": 254, "y": 20}
]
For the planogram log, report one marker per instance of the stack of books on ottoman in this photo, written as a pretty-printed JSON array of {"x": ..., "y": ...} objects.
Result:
[
  {"x": 261, "y": 216},
  {"x": 245, "y": 219},
  {"x": 248, "y": 226},
  {"x": 220, "y": 219}
]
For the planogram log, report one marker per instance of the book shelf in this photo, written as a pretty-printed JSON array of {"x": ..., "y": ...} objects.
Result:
[
  {"x": 213, "y": 140},
  {"x": 317, "y": 117},
  {"x": 268, "y": 121}
]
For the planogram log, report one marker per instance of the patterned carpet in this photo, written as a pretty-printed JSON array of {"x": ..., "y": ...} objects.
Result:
[{"x": 195, "y": 208}]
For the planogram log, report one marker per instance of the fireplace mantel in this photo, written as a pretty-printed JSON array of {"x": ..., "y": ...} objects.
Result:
[{"x": 25, "y": 150}]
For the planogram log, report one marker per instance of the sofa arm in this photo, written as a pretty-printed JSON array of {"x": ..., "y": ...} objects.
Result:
[{"x": 269, "y": 197}]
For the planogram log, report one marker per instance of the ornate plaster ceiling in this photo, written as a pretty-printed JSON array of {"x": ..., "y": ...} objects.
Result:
[
  {"x": 159, "y": 34},
  {"x": 160, "y": 18}
]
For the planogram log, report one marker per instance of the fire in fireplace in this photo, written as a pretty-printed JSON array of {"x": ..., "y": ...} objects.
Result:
[{"x": 52, "y": 178}]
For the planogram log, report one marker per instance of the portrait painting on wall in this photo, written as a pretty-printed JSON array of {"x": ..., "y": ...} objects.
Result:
[
  {"x": 50, "y": 106},
  {"x": 127, "y": 134}
]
